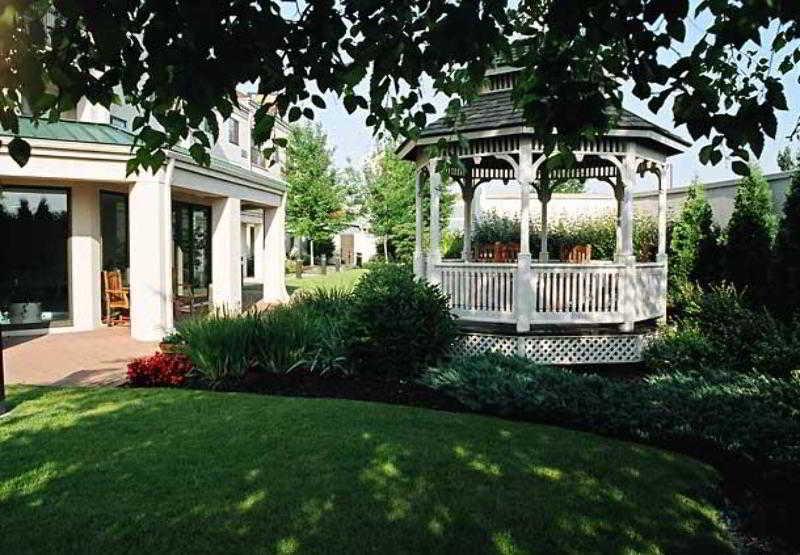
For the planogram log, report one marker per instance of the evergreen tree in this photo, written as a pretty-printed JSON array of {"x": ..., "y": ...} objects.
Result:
[
  {"x": 785, "y": 290},
  {"x": 750, "y": 234},
  {"x": 694, "y": 244}
]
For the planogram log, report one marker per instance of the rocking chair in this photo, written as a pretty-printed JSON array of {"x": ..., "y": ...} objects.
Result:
[{"x": 116, "y": 297}]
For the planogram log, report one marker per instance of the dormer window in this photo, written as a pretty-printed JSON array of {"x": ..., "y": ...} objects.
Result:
[
  {"x": 233, "y": 131},
  {"x": 119, "y": 122}
]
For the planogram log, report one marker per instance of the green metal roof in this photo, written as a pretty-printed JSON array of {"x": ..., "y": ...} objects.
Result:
[
  {"x": 107, "y": 134},
  {"x": 64, "y": 130}
]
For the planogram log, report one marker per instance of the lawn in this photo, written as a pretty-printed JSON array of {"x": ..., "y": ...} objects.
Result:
[
  {"x": 345, "y": 279},
  {"x": 151, "y": 471}
]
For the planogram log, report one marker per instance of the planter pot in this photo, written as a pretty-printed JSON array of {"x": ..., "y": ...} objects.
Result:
[{"x": 25, "y": 313}]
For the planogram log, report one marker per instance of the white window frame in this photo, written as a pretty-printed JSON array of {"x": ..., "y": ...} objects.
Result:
[{"x": 233, "y": 131}]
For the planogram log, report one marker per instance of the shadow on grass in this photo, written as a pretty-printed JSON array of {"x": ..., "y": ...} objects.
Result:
[{"x": 96, "y": 470}]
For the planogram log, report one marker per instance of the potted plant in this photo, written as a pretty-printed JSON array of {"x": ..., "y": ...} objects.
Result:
[
  {"x": 171, "y": 343},
  {"x": 25, "y": 306}
]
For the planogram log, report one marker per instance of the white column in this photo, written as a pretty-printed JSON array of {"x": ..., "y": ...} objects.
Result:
[
  {"x": 467, "y": 193},
  {"x": 523, "y": 303},
  {"x": 435, "y": 256},
  {"x": 662, "y": 214},
  {"x": 544, "y": 198},
  {"x": 274, "y": 254},
  {"x": 85, "y": 258},
  {"x": 226, "y": 252},
  {"x": 419, "y": 253},
  {"x": 619, "y": 191},
  {"x": 150, "y": 209},
  {"x": 626, "y": 255}
]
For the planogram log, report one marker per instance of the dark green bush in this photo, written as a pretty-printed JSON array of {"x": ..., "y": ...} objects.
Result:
[
  {"x": 398, "y": 324},
  {"x": 722, "y": 331},
  {"x": 785, "y": 273}
]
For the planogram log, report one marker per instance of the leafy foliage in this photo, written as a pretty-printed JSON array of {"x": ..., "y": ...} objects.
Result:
[
  {"x": 314, "y": 199},
  {"x": 751, "y": 231},
  {"x": 108, "y": 49},
  {"x": 390, "y": 202},
  {"x": 159, "y": 370},
  {"x": 398, "y": 324},
  {"x": 598, "y": 231},
  {"x": 785, "y": 278},
  {"x": 720, "y": 331}
]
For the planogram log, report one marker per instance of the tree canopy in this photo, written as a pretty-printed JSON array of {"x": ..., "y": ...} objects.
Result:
[
  {"x": 315, "y": 200},
  {"x": 180, "y": 62}
]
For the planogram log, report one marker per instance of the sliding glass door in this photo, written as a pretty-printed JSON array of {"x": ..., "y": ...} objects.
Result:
[
  {"x": 34, "y": 230},
  {"x": 191, "y": 233},
  {"x": 114, "y": 230}
]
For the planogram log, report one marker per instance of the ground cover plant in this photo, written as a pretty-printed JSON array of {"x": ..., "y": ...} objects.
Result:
[
  {"x": 199, "y": 471},
  {"x": 747, "y": 424}
]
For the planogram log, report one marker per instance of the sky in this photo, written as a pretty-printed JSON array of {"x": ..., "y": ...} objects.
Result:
[{"x": 353, "y": 142}]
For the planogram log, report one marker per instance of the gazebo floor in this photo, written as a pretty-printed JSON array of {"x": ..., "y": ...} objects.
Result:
[
  {"x": 561, "y": 345},
  {"x": 468, "y": 326}
]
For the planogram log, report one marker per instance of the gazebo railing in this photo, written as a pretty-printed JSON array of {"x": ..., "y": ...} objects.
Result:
[{"x": 600, "y": 293}]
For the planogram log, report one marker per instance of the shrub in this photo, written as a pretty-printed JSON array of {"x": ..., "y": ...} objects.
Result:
[
  {"x": 159, "y": 370},
  {"x": 598, "y": 231},
  {"x": 398, "y": 324},
  {"x": 750, "y": 233},
  {"x": 721, "y": 331},
  {"x": 220, "y": 345}
]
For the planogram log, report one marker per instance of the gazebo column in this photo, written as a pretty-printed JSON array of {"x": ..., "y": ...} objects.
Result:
[
  {"x": 523, "y": 301},
  {"x": 619, "y": 192},
  {"x": 661, "y": 256},
  {"x": 419, "y": 253},
  {"x": 435, "y": 255},
  {"x": 467, "y": 194},
  {"x": 544, "y": 194},
  {"x": 662, "y": 217},
  {"x": 626, "y": 256}
]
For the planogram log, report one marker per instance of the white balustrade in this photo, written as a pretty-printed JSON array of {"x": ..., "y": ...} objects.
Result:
[
  {"x": 481, "y": 292},
  {"x": 561, "y": 293}
]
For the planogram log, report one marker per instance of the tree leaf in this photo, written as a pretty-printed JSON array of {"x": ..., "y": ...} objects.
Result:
[
  {"x": 740, "y": 168},
  {"x": 20, "y": 151}
]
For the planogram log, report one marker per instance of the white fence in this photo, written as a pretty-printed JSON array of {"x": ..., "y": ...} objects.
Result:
[{"x": 600, "y": 293}]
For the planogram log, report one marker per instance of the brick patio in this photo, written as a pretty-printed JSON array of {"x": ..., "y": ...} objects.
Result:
[{"x": 97, "y": 357}]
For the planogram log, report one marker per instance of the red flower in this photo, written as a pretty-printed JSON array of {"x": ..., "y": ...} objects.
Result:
[{"x": 160, "y": 369}]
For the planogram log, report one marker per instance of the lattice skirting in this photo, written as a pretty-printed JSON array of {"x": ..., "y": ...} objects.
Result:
[{"x": 564, "y": 349}]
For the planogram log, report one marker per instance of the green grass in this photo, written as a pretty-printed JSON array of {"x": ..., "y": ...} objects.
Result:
[
  {"x": 345, "y": 279},
  {"x": 155, "y": 471}
]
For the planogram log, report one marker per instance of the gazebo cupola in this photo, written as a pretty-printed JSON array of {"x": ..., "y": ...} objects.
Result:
[{"x": 499, "y": 145}]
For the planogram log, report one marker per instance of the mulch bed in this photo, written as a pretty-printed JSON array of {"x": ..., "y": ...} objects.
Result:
[{"x": 302, "y": 383}]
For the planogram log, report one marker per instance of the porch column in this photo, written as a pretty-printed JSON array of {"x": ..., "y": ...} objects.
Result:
[
  {"x": 85, "y": 255},
  {"x": 435, "y": 256},
  {"x": 419, "y": 253},
  {"x": 467, "y": 194},
  {"x": 626, "y": 256},
  {"x": 150, "y": 221},
  {"x": 273, "y": 248},
  {"x": 226, "y": 253},
  {"x": 619, "y": 191},
  {"x": 544, "y": 197}
]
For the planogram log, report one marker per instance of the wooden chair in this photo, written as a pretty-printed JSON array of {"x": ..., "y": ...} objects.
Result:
[
  {"x": 115, "y": 296},
  {"x": 576, "y": 254}
]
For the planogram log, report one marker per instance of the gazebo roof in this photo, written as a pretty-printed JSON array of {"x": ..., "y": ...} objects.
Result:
[{"x": 495, "y": 111}]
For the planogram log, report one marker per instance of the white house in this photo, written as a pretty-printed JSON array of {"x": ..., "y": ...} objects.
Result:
[{"x": 183, "y": 232}]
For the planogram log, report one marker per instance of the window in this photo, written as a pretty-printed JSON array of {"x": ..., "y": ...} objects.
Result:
[
  {"x": 191, "y": 232},
  {"x": 114, "y": 231},
  {"x": 119, "y": 122},
  {"x": 34, "y": 226},
  {"x": 233, "y": 131}
]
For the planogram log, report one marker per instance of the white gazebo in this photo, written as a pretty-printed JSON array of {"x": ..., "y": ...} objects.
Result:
[{"x": 537, "y": 294}]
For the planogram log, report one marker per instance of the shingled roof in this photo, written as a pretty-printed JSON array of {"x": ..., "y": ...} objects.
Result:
[{"x": 496, "y": 110}]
